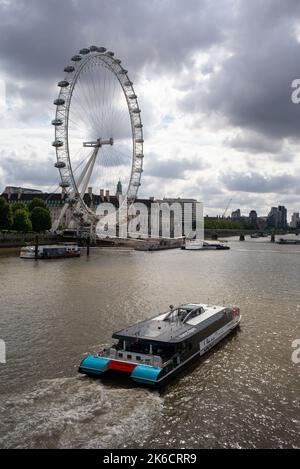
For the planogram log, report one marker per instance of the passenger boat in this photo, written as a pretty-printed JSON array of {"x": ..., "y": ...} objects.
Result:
[
  {"x": 198, "y": 245},
  {"x": 288, "y": 241},
  {"x": 152, "y": 351},
  {"x": 51, "y": 251}
]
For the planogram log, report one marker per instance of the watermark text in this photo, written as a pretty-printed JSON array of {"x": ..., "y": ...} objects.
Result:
[
  {"x": 2, "y": 351},
  {"x": 296, "y": 352},
  {"x": 154, "y": 220}
]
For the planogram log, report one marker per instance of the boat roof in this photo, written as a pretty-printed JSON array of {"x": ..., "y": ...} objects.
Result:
[
  {"x": 165, "y": 329},
  {"x": 50, "y": 246}
]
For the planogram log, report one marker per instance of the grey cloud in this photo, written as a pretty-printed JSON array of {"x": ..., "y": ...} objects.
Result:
[
  {"x": 170, "y": 168},
  {"x": 255, "y": 182},
  {"x": 38, "y": 38},
  {"x": 34, "y": 171},
  {"x": 215, "y": 196},
  {"x": 286, "y": 156},
  {"x": 252, "y": 89},
  {"x": 253, "y": 142}
]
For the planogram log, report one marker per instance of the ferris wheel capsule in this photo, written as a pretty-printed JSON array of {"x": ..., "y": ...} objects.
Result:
[
  {"x": 57, "y": 122},
  {"x": 93, "y": 48},
  {"x": 101, "y": 49},
  {"x": 76, "y": 58},
  {"x": 57, "y": 143},
  {"x": 69, "y": 69},
  {"x": 64, "y": 184},
  {"x": 59, "y": 102},
  {"x": 59, "y": 164},
  {"x": 63, "y": 83},
  {"x": 84, "y": 51}
]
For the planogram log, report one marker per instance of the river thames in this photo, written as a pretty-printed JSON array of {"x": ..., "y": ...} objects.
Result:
[{"x": 245, "y": 393}]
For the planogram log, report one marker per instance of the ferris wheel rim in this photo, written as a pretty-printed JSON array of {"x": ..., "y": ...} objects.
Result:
[{"x": 61, "y": 122}]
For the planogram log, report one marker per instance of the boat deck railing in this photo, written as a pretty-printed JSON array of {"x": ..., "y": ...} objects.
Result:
[
  {"x": 144, "y": 359},
  {"x": 128, "y": 356}
]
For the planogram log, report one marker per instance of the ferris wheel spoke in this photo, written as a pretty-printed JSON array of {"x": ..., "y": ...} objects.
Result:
[
  {"x": 106, "y": 170},
  {"x": 86, "y": 107},
  {"x": 83, "y": 102},
  {"x": 81, "y": 113},
  {"x": 95, "y": 100},
  {"x": 123, "y": 155}
]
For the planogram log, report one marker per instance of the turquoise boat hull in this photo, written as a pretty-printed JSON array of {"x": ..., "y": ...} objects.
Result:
[{"x": 94, "y": 365}]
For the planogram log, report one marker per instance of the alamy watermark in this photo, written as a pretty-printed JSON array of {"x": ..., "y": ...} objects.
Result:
[
  {"x": 296, "y": 352},
  {"x": 295, "y": 96},
  {"x": 150, "y": 220},
  {"x": 2, "y": 351}
]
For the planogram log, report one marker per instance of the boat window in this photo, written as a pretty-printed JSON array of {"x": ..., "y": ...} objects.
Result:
[
  {"x": 195, "y": 313},
  {"x": 138, "y": 358},
  {"x": 120, "y": 354},
  {"x": 178, "y": 314},
  {"x": 137, "y": 347},
  {"x": 129, "y": 356}
]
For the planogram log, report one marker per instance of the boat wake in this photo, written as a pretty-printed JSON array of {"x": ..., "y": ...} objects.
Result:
[{"x": 78, "y": 413}]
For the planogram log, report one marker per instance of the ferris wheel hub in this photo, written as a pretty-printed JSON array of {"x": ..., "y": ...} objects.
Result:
[{"x": 99, "y": 142}]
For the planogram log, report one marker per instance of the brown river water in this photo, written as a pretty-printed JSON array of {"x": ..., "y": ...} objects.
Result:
[{"x": 245, "y": 393}]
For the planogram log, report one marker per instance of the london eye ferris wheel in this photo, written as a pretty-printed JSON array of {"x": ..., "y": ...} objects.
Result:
[{"x": 98, "y": 131}]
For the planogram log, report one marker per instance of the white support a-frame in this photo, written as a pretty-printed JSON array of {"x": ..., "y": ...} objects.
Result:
[{"x": 84, "y": 178}]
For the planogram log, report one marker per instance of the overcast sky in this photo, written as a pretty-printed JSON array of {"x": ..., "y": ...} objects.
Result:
[{"x": 213, "y": 79}]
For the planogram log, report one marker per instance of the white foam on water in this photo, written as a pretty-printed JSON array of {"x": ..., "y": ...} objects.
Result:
[{"x": 78, "y": 413}]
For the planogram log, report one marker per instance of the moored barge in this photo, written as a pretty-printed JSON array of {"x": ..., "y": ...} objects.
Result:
[
  {"x": 51, "y": 251},
  {"x": 152, "y": 351}
]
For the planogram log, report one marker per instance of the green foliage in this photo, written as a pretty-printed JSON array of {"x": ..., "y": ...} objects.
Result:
[
  {"x": 5, "y": 215},
  {"x": 24, "y": 217},
  {"x": 19, "y": 205},
  {"x": 6, "y": 218},
  {"x": 225, "y": 224},
  {"x": 41, "y": 219},
  {"x": 22, "y": 220},
  {"x": 36, "y": 202}
]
